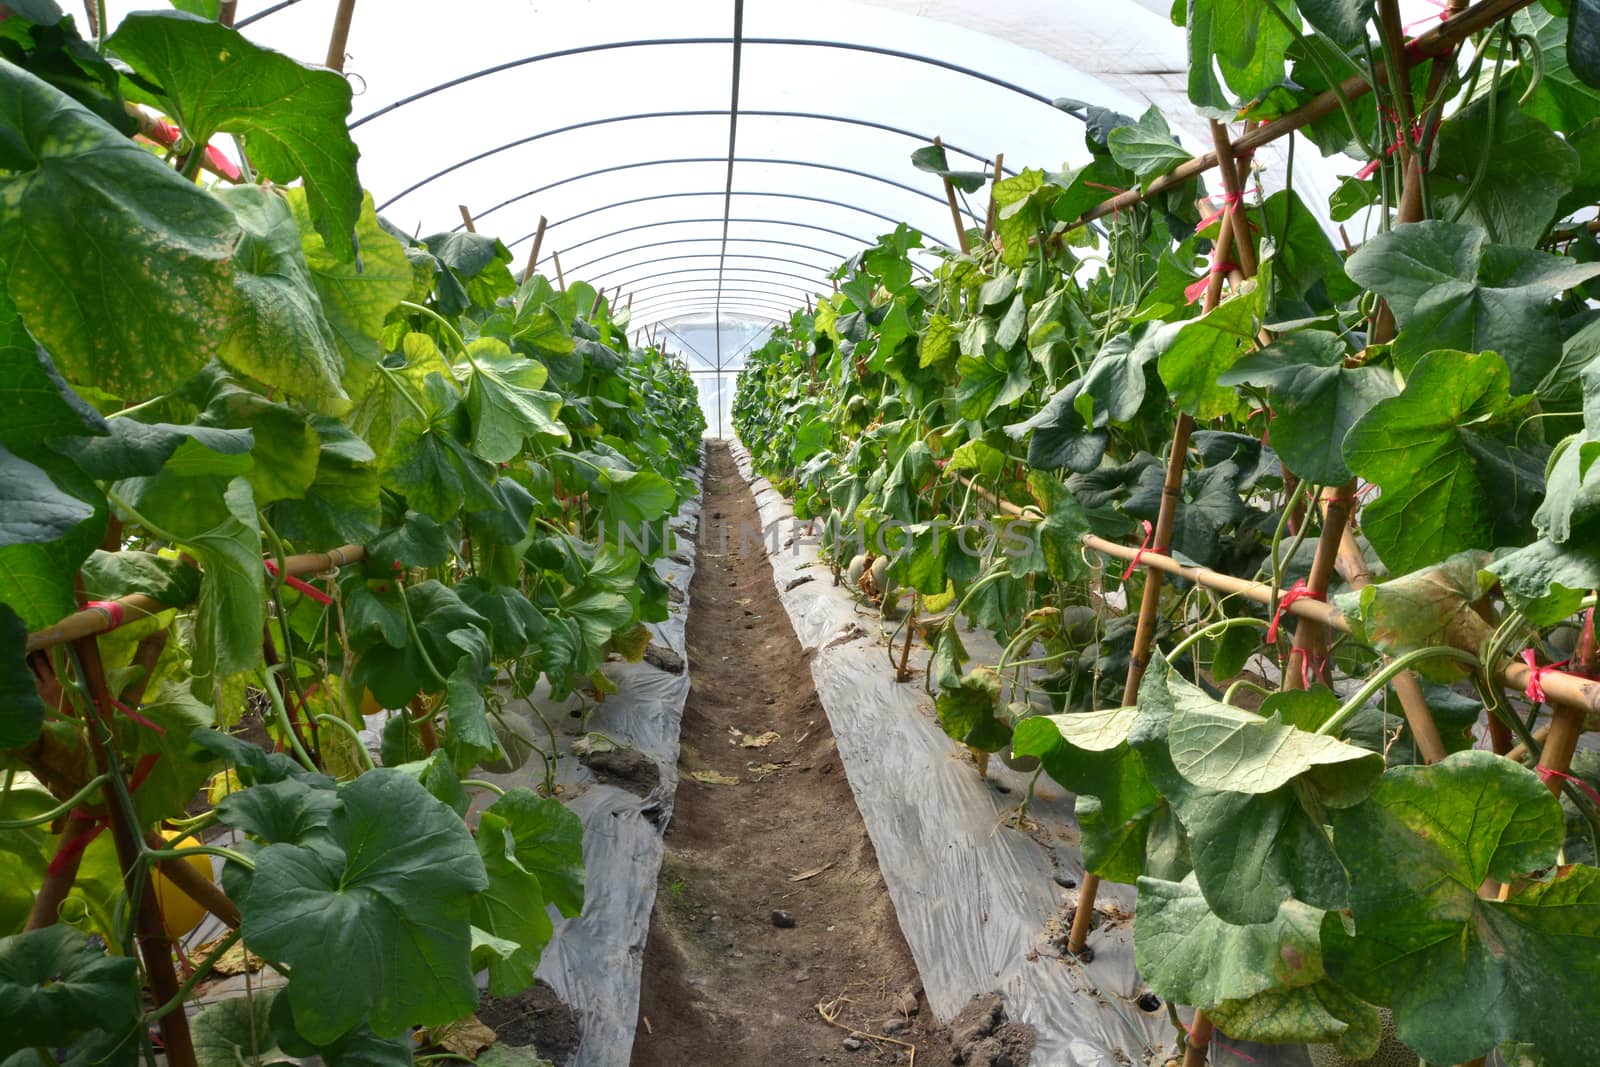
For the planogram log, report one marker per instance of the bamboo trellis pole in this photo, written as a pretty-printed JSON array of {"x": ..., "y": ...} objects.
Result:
[
  {"x": 533, "y": 254},
  {"x": 988, "y": 222},
  {"x": 466, "y": 219},
  {"x": 955, "y": 210},
  {"x": 341, "y": 34}
]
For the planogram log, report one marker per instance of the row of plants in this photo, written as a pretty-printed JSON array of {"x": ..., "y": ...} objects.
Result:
[
  {"x": 1299, "y": 863},
  {"x": 203, "y": 380}
]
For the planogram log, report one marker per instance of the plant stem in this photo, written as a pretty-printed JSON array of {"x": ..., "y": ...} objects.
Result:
[
  {"x": 1212, "y": 630},
  {"x": 479, "y": 783},
  {"x": 194, "y": 979},
  {"x": 361, "y": 748},
  {"x": 1382, "y": 678},
  {"x": 59, "y": 810}
]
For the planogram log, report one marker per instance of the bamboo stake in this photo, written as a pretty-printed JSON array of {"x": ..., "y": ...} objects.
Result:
[
  {"x": 341, "y": 35},
  {"x": 988, "y": 223},
  {"x": 955, "y": 211},
  {"x": 1432, "y": 44},
  {"x": 561, "y": 278},
  {"x": 533, "y": 256},
  {"x": 135, "y": 606},
  {"x": 1200, "y": 1032},
  {"x": 59, "y": 877},
  {"x": 466, "y": 219},
  {"x": 1150, "y": 604},
  {"x": 196, "y": 886},
  {"x": 226, "y": 12}
]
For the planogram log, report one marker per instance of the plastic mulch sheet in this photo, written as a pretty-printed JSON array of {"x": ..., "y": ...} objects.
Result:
[{"x": 981, "y": 903}]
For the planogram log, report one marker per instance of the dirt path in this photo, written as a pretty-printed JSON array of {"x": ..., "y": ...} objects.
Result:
[{"x": 729, "y": 981}]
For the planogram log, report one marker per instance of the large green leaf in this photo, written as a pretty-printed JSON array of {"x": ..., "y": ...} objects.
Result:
[
  {"x": 24, "y": 711},
  {"x": 1251, "y": 852},
  {"x": 341, "y": 504},
  {"x": 38, "y": 404},
  {"x": 1147, "y": 147},
  {"x": 1315, "y": 399},
  {"x": 284, "y": 446},
  {"x": 507, "y": 403},
  {"x": 237, "y": 1033},
  {"x": 548, "y": 839},
  {"x": 290, "y": 118},
  {"x": 357, "y": 294},
  {"x": 281, "y": 336},
  {"x": 1583, "y": 42},
  {"x": 1202, "y": 349},
  {"x": 1526, "y": 170},
  {"x": 1463, "y": 971},
  {"x": 428, "y": 461},
  {"x": 1061, "y": 437},
  {"x": 512, "y": 908},
  {"x": 1547, "y": 581},
  {"x": 1063, "y": 529},
  {"x": 1344, "y": 21},
  {"x": 1245, "y": 40},
  {"x": 1220, "y": 747},
  {"x": 37, "y": 576},
  {"x": 119, "y": 267},
  {"x": 1440, "y": 451},
  {"x": 1560, "y": 100},
  {"x": 55, "y": 985},
  {"x": 1450, "y": 288},
  {"x": 386, "y": 897},
  {"x": 1260, "y": 982},
  {"x": 32, "y": 507},
  {"x": 1114, "y": 384}
]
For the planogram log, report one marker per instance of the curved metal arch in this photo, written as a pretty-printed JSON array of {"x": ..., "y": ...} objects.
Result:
[
  {"x": 753, "y": 285},
  {"x": 592, "y": 278},
  {"x": 739, "y": 291},
  {"x": 835, "y": 168},
  {"x": 658, "y": 42},
  {"x": 818, "y": 116},
  {"x": 676, "y": 222},
  {"x": 837, "y": 257},
  {"x": 709, "y": 310},
  {"x": 890, "y": 219},
  {"x": 633, "y": 286},
  {"x": 259, "y": 15},
  {"x": 708, "y": 298}
]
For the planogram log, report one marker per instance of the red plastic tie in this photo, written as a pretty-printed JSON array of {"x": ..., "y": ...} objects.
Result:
[
  {"x": 112, "y": 609},
  {"x": 1149, "y": 532},
  {"x": 1233, "y": 200},
  {"x": 1535, "y": 690},
  {"x": 1547, "y": 773},
  {"x": 1198, "y": 289},
  {"x": 1371, "y": 167},
  {"x": 1298, "y": 591},
  {"x": 299, "y": 586},
  {"x": 72, "y": 848}
]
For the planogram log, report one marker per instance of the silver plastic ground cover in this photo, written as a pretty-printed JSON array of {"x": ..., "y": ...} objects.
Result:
[
  {"x": 978, "y": 900},
  {"x": 595, "y": 961}
]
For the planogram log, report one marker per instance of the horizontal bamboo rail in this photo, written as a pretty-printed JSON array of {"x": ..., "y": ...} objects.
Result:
[
  {"x": 99, "y": 620},
  {"x": 1561, "y": 689},
  {"x": 1439, "y": 41}
]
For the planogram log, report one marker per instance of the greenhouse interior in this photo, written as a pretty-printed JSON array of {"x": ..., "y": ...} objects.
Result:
[{"x": 738, "y": 533}]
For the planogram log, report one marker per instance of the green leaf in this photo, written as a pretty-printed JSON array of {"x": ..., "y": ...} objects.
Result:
[
  {"x": 175, "y": 777},
  {"x": 1315, "y": 400},
  {"x": 1450, "y": 288},
  {"x": 357, "y": 294},
  {"x": 1251, "y": 852},
  {"x": 55, "y": 986},
  {"x": 237, "y": 1033},
  {"x": 1342, "y": 21},
  {"x": 119, "y": 267},
  {"x": 291, "y": 118},
  {"x": 32, "y": 507},
  {"x": 1116, "y": 379},
  {"x": 511, "y": 908},
  {"x": 37, "y": 578},
  {"x": 109, "y": 575},
  {"x": 1450, "y": 480},
  {"x": 38, "y": 404},
  {"x": 634, "y": 498},
  {"x": 1063, "y": 529},
  {"x": 548, "y": 838},
  {"x": 1202, "y": 349},
  {"x": 1014, "y": 221},
  {"x": 1528, "y": 171},
  {"x": 341, "y": 504},
  {"x": 284, "y": 446},
  {"x": 1242, "y": 38},
  {"x": 387, "y": 898},
  {"x": 1583, "y": 42},
  {"x": 1452, "y": 964},
  {"x": 1147, "y": 147},
  {"x": 931, "y": 158},
  {"x": 1061, "y": 436},
  {"x": 506, "y": 402},
  {"x": 24, "y": 711},
  {"x": 428, "y": 462},
  {"x": 281, "y": 337},
  {"x": 1547, "y": 581},
  {"x": 967, "y": 710},
  {"x": 1259, "y": 982},
  {"x": 1560, "y": 100},
  {"x": 1216, "y": 746}
]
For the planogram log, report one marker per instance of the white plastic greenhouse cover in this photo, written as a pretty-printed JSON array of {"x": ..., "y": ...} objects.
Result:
[{"x": 716, "y": 159}]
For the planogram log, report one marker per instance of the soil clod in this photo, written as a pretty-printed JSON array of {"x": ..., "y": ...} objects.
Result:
[{"x": 783, "y": 920}]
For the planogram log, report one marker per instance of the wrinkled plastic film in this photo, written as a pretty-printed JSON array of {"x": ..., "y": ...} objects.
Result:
[{"x": 977, "y": 899}]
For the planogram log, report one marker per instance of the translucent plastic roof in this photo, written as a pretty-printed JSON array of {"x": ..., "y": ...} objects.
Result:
[{"x": 716, "y": 159}]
